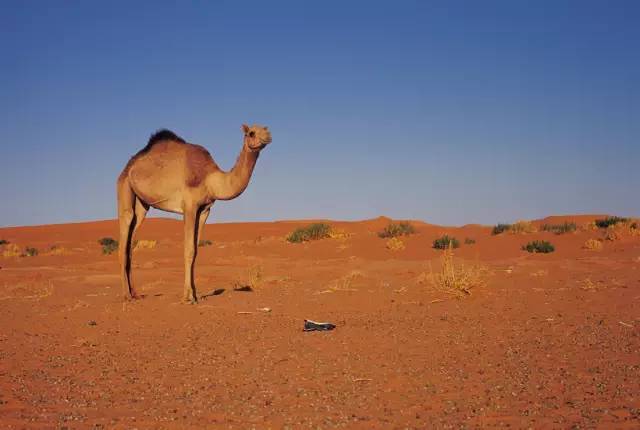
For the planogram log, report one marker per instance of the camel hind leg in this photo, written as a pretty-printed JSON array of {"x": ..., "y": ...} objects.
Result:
[{"x": 131, "y": 213}]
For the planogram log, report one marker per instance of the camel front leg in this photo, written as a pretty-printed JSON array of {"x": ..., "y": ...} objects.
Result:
[{"x": 190, "y": 251}]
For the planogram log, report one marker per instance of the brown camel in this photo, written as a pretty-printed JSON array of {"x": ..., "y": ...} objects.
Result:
[{"x": 175, "y": 176}]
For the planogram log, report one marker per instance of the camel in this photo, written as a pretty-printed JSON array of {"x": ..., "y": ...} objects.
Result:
[{"x": 175, "y": 176}]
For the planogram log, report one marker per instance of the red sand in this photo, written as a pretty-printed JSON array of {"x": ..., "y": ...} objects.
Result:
[{"x": 551, "y": 341}]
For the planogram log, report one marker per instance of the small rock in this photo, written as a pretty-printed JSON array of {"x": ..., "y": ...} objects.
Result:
[{"x": 92, "y": 322}]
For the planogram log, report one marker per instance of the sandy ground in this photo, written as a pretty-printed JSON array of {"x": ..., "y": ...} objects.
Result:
[{"x": 549, "y": 341}]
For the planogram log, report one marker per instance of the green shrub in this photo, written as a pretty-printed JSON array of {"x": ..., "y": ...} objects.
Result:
[
  {"x": 30, "y": 252},
  {"x": 610, "y": 220},
  {"x": 500, "y": 228},
  {"x": 4, "y": 242},
  {"x": 204, "y": 242},
  {"x": 314, "y": 231},
  {"x": 539, "y": 246},
  {"x": 109, "y": 245},
  {"x": 566, "y": 227},
  {"x": 445, "y": 241},
  {"x": 395, "y": 230},
  {"x": 469, "y": 241}
]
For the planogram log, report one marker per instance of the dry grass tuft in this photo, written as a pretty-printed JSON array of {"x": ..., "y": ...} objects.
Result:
[
  {"x": 593, "y": 245},
  {"x": 344, "y": 283},
  {"x": 339, "y": 234},
  {"x": 522, "y": 227},
  {"x": 256, "y": 275},
  {"x": 394, "y": 244},
  {"x": 11, "y": 250},
  {"x": 457, "y": 279},
  {"x": 145, "y": 244},
  {"x": 57, "y": 250}
]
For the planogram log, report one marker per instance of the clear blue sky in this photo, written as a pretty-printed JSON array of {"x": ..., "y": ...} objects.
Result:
[{"x": 451, "y": 112}]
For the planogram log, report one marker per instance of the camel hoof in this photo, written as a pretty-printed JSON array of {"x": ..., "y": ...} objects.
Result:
[
  {"x": 190, "y": 301},
  {"x": 131, "y": 297}
]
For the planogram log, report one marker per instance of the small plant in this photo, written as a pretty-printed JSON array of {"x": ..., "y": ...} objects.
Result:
[
  {"x": 566, "y": 227},
  {"x": 456, "y": 279},
  {"x": 395, "y": 230},
  {"x": 609, "y": 221},
  {"x": 11, "y": 250},
  {"x": 145, "y": 244},
  {"x": 204, "y": 242},
  {"x": 446, "y": 242},
  {"x": 395, "y": 244},
  {"x": 469, "y": 241},
  {"x": 539, "y": 246},
  {"x": 522, "y": 227},
  {"x": 593, "y": 245},
  {"x": 3, "y": 242},
  {"x": 109, "y": 245},
  {"x": 339, "y": 234},
  {"x": 57, "y": 250},
  {"x": 500, "y": 228},
  {"x": 314, "y": 231},
  {"x": 30, "y": 252}
]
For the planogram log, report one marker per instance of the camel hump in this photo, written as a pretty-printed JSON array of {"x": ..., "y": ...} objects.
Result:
[{"x": 160, "y": 136}]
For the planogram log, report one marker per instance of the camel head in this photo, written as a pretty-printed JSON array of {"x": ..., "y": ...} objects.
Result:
[{"x": 256, "y": 137}]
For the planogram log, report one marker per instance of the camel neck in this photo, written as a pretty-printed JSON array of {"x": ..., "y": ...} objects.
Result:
[{"x": 229, "y": 185}]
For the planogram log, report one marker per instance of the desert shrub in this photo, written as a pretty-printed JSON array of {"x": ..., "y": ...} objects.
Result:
[
  {"x": 445, "y": 242},
  {"x": 593, "y": 245},
  {"x": 394, "y": 244},
  {"x": 539, "y": 246},
  {"x": 457, "y": 279},
  {"x": 109, "y": 245},
  {"x": 469, "y": 241},
  {"x": 609, "y": 221},
  {"x": 313, "y": 231},
  {"x": 395, "y": 230},
  {"x": 500, "y": 228},
  {"x": 566, "y": 227},
  {"x": 204, "y": 242},
  {"x": 30, "y": 251},
  {"x": 3, "y": 242}
]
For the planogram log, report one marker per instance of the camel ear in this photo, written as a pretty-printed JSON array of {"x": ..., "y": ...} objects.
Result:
[{"x": 245, "y": 128}]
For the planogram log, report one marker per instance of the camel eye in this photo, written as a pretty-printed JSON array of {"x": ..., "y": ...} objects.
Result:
[{"x": 252, "y": 134}]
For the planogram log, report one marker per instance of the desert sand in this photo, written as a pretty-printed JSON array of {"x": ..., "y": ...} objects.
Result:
[{"x": 543, "y": 341}]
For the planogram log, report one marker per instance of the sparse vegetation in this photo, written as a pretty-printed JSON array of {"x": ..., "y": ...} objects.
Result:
[
  {"x": 593, "y": 245},
  {"x": 446, "y": 242},
  {"x": 457, "y": 279},
  {"x": 522, "y": 227},
  {"x": 109, "y": 245},
  {"x": 145, "y": 244},
  {"x": 30, "y": 251},
  {"x": 314, "y": 231},
  {"x": 338, "y": 234},
  {"x": 396, "y": 230},
  {"x": 204, "y": 242},
  {"x": 4, "y": 242},
  {"x": 57, "y": 250},
  {"x": 500, "y": 228},
  {"x": 609, "y": 221},
  {"x": 539, "y": 246},
  {"x": 395, "y": 244},
  {"x": 469, "y": 241},
  {"x": 566, "y": 227},
  {"x": 11, "y": 250}
]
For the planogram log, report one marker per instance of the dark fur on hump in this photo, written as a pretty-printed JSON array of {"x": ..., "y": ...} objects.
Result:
[{"x": 160, "y": 136}]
